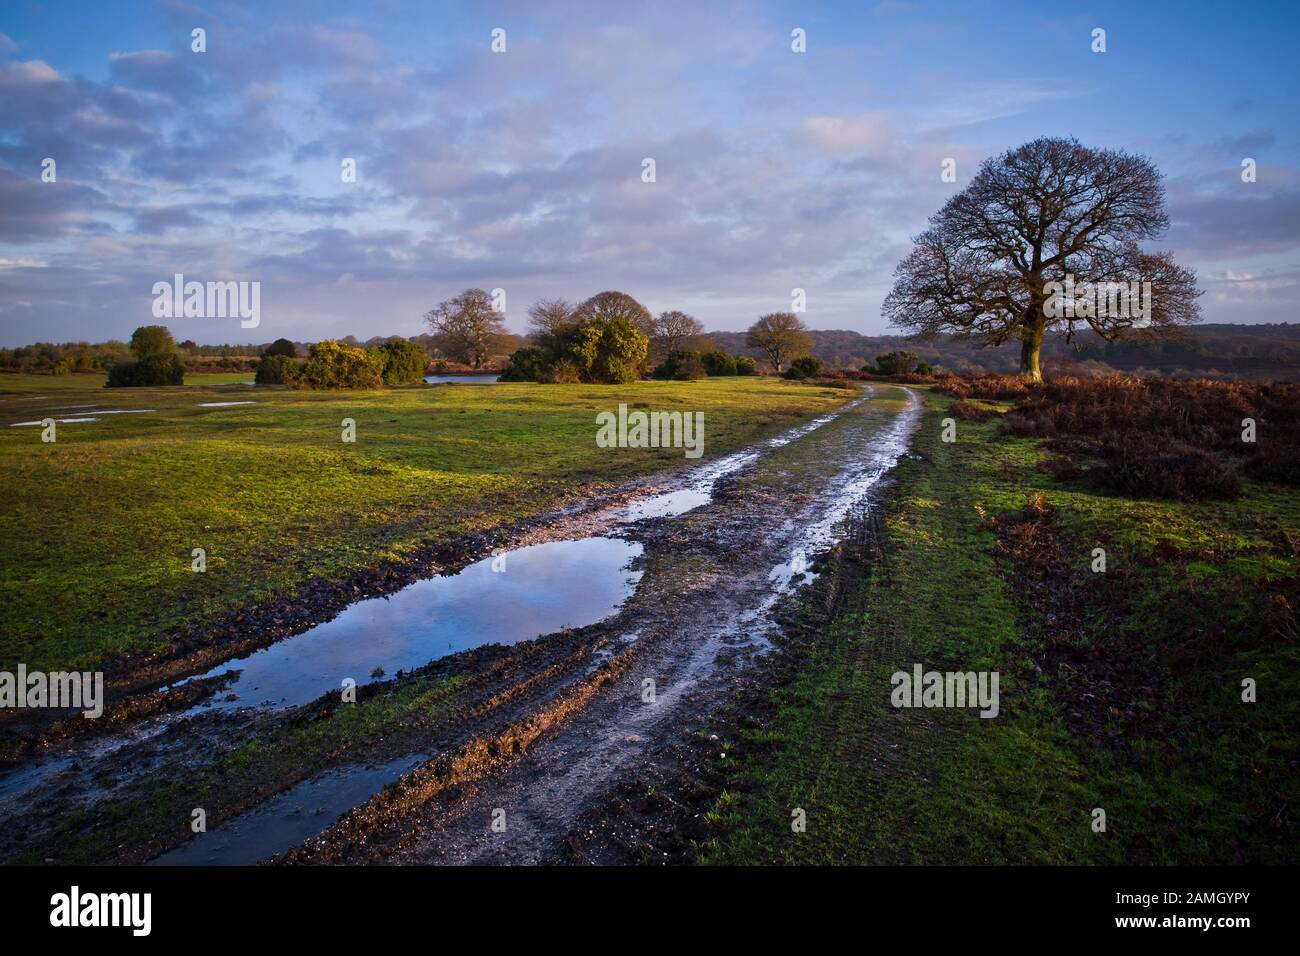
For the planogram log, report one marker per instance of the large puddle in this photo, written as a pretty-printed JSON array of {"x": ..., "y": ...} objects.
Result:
[{"x": 515, "y": 596}]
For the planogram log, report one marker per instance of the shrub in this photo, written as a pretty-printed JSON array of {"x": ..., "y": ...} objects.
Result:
[
  {"x": 277, "y": 369},
  {"x": 526, "y": 365},
  {"x": 153, "y": 370},
  {"x": 682, "y": 365},
  {"x": 332, "y": 364},
  {"x": 746, "y": 365},
  {"x": 718, "y": 362},
  {"x": 806, "y": 366},
  {"x": 150, "y": 340},
  {"x": 609, "y": 350},
  {"x": 896, "y": 363},
  {"x": 1002, "y": 387},
  {"x": 970, "y": 411},
  {"x": 564, "y": 372},
  {"x": 1174, "y": 438},
  {"x": 924, "y": 368},
  {"x": 404, "y": 361},
  {"x": 690, "y": 370},
  {"x": 1166, "y": 470},
  {"x": 281, "y": 347}
]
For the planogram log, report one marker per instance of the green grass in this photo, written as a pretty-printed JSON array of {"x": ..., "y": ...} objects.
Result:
[
  {"x": 101, "y": 524},
  {"x": 1214, "y": 782}
]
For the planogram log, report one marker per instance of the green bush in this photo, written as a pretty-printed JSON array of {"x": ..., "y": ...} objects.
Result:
[
  {"x": 153, "y": 370},
  {"x": 806, "y": 366},
  {"x": 718, "y": 363},
  {"x": 281, "y": 347},
  {"x": 277, "y": 369},
  {"x": 681, "y": 365},
  {"x": 150, "y": 340},
  {"x": 332, "y": 364},
  {"x": 404, "y": 362},
  {"x": 564, "y": 372},
  {"x": 610, "y": 351},
  {"x": 746, "y": 365},
  {"x": 526, "y": 365},
  {"x": 896, "y": 363}
]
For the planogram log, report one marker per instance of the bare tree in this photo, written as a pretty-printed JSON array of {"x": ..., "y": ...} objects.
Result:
[
  {"x": 672, "y": 330},
  {"x": 1046, "y": 237},
  {"x": 466, "y": 327},
  {"x": 552, "y": 322},
  {"x": 779, "y": 336},
  {"x": 617, "y": 305}
]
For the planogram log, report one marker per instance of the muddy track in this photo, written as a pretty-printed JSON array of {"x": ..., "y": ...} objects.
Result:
[
  {"x": 703, "y": 609},
  {"x": 142, "y": 685},
  {"x": 502, "y": 688}
]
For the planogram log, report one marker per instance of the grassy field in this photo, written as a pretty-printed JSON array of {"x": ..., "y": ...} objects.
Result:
[
  {"x": 100, "y": 525},
  {"x": 1119, "y": 690}
]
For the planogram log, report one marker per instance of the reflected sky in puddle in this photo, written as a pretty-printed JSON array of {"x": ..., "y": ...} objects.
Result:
[
  {"x": 288, "y": 818},
  {"x": 699, "y": 490},
  {"x": 515, "y": 596}
]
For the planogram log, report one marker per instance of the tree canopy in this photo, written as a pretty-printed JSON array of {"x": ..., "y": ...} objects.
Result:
[
  {"x": 466, "y": 327},
  {"x": 779, "y": 336},
  {"x": 1046, "y": 237}
]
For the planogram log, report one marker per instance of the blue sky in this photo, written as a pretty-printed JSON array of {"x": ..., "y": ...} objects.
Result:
[{"x": 522, "y": 170}]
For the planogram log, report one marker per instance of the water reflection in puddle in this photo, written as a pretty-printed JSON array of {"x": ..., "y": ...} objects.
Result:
[
  {"x": 516, "y": 596},
  {"x": 288, "y": 818},
  {"x": 699, "y": 490}
]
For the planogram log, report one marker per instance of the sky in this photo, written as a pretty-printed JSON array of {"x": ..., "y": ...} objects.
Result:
[{"x": 523, "y": 170}]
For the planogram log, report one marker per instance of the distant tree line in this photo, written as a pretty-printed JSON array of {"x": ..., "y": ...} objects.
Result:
[{"x": 612, "y": 338}]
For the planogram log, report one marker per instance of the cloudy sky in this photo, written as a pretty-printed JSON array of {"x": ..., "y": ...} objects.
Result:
[{"x": 522, "y": 170}]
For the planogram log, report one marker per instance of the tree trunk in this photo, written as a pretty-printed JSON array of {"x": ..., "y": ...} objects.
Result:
[{"x": 1029, "y": 348}]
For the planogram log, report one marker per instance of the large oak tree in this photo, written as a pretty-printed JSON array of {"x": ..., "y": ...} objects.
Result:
[
  {"x": 466, "y": 327},
  {"x": 1034, "y": 216},
  {"x": 613, "y": 305}
]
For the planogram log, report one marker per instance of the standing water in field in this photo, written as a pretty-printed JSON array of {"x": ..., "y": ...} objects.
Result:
[
  {"x": 461, "y": 379},
  {"x": 513, "y": 597}
]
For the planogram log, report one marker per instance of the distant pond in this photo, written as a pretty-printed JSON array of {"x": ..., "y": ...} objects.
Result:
[{"x": 466, "y": 379}]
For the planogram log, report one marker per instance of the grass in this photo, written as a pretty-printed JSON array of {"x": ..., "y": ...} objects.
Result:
[
  {"x": 97, "y": 556},
  {"x": 1185, "y": 771}
]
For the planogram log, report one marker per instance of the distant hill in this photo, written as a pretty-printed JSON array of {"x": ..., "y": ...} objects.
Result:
[{"x": 1218, "y": 351}]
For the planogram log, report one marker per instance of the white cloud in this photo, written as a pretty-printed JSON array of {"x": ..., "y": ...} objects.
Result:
[{"x": 870, "y": 132}]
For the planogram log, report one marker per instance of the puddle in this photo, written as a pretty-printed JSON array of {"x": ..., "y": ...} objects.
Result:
[
  {"x": 288, "y": 818},
  {"x": 885, "y": 450},
  {"x": 462, "y": 379},
  {"x": 61, "y": 421},
  {"x": 699, "y": 489},
  {"x": 538, "y": 590},
  {"x": 19, "y": 782},
  {"x": 224, "y": 404}
]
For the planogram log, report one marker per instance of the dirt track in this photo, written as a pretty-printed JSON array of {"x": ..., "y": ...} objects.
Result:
[
  {"x": 703, "y": 608},
  {"x": 541, "y": 729}
]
